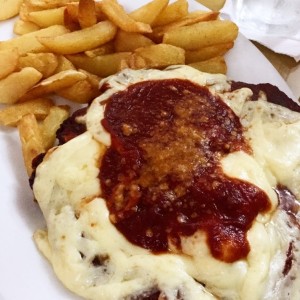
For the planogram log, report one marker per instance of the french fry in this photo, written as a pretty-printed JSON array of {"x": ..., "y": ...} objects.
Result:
[
  {"x": 8, "y": 61},
  {"x": 53, "y": 83},
  {"x": 22, "y": 27},
  {"x": 81, "y": 40},
  {"x": 205, "y": 53},
  {"x": 202, "y": 34},
  {"x": 156, "y": 56},
  {"x": 215, "y": 5},
  {"x": 173, "y": 12},
  {"x": 214, "y": 65},
  {"x": 28, "y": 42},
  {"x": 129, "y": 41},
  {"x": 11, "y": 115},
  {"x": 9, "y": 8},
  {"x": 82, "y": 91},
  {"x": 15, "y": 85},
  {"x": 188, "y": 20},
  {"x": 102, "y": 66},
  {"x": 51, "y": 123},
  {"x": 25, "y": 9},
  {"x": 31, "y": 140},
  {"x": 149, "y": 12},
  {"x": 116, "y": 13},
  {"x": 47, "y": 4},
  {"x": 46, "y": 63},
  {"x": 48, "y": 17},
  {"x": 107, "y": 48},
  {"x": 64, "y": 64},
  {"x": 87, "y": 13},
  {"x": 71, "y": 17}
]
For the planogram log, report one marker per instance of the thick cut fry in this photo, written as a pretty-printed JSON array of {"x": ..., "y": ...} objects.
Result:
[
  {"x": 188, "y": 20},
  {"x": 81, "y": 40},
  {"x": 48, "y": 4},
  {"x": 149, "y": 12},
  {"x": 129, "y": 41},
  {"x": 173, "y": 12},
  {"x": 31, "y": 140},
  {"x": 71, "y": 17},
  {"x": 25, "y": 9},
  {"x": 107, "y": 48},
  {"x": 46, "y": 63},
  {"x": 81, "y": 92},
  {"x": 87, "y": 13},
  {"x": 9, "y": 8},
  {"x": 22, "y": 27},
  {"x": 29, "y": 43},
  {"x": 15, "y": 85},
  {"x": 8, "y": 61},
  {"x": 116, "y": 13},
  {"x": 51, "y": 124},
  {"x": 54, "y": 83},
  {"x": 156, "y": 56},
  {"x": 202, "y": 34},
  {"x": 84, "y": 90},
  {"x": 207, "y": 52},
  {"x": 64, "y": 64},
  {"x": 48, "y": 17},
  {"x": 11, "y": 115},
  {"x": 214, "y": 65},
  {"x": 102, "y": 66},
  {"x": 215, "y": 5}
]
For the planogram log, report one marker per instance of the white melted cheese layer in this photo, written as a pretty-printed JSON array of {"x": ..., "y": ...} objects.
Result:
[{"x": 67, "y": 189}]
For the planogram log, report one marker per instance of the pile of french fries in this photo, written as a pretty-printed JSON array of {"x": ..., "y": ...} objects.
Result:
[{"x": 65, "y": 47}]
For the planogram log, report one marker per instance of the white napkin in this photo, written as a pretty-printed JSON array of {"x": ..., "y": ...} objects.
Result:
[{"x": 273, "y": 23}]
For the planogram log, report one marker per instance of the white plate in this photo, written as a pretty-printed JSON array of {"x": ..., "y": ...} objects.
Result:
[{"x": 24, "y": 273}]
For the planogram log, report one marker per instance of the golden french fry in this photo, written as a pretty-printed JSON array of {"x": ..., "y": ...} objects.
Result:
[
  {"x": 28, "y": 42},
  {"x": 202, "y": 34},
  {"x": 46, "y": 63},
  {"x": 22, "y": 27},
  {"x": 188, "y": 20},
  {"x": 93, "y": 79},
  {"x": 81, "y": 40},
  {"x": 102, "y": 66},
  {"x": 71, "y": 17},
  {"x": 15, "y": 85},
  {"x": 156, "y": 56},
  {"x": 149, "y": 12},
  {"x": 205, "y": 53},
  {"x": 48, "y": 4},
  {"x": 173, "y": 12},
  {"x": 87, "y": 13},
  {"x": 215, "y": 5},
  {"x": 107, "y": 48},
  {"x": 31, "y": 140},
  {"x": 116, "y": 13},
  {"x": 64, "y": 64},
  {"x": 51, "y": 124},
  {"x": 129, "y": 41},
  {"x": 11, "y": 115},
  {"x": 53, "y": 83},
  {"x": 214, "y": 65},
  {"x": 48, "y": 17},
  {"x": 9, "y": 8},
  {"x": 80, "y": 92},
  {"x": 8, "y": 61},
  {"x": 25, "y": 9}
]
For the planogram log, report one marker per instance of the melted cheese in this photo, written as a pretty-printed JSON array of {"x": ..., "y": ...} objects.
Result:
[{"x": 92, "y": 258}]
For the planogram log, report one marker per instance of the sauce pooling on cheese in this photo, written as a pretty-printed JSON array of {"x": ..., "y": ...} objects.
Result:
[{"x": 162, "y": 177}]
